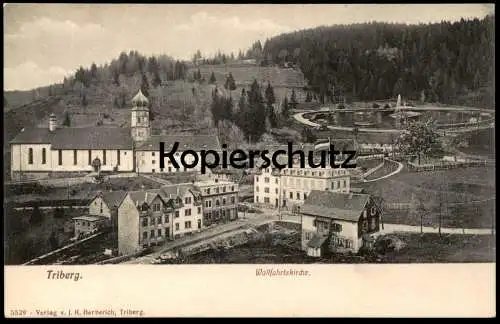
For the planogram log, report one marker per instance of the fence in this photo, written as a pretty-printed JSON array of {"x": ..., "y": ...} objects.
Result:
[{"x": 448, "y": 165}]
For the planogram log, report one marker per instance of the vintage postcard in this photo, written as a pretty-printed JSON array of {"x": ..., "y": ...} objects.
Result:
[{"x": 249, "y": 160}]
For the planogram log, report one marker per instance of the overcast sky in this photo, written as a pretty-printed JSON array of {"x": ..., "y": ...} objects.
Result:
[{"x": 45, "y": 42}]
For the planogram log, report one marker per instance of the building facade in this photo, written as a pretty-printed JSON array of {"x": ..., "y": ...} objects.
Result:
[
  {"x": 38, "y": 152},
  {"x": 220, "y": 201},
  {"x": 151, "y": 217},
  {"x": 338, "y": 222},
  {"x": 289, "y": 187}
]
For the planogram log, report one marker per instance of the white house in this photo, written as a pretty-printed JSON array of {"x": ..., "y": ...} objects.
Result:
[
  {"x": 338, "y": 222},
  {"x": 289, "y": 187}
]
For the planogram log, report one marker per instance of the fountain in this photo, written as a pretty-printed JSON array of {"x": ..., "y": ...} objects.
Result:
[{"x": 401, "y": 114}]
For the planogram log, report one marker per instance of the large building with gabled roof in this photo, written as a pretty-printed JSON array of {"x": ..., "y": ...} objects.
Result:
[{"x": 39, "y": 152}]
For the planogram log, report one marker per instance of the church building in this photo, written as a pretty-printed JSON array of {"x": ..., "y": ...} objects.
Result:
[{"x": 38, "y": 152}]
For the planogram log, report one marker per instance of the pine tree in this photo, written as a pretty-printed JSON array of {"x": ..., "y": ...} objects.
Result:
[
  {"x": 67, "y": 120},
  {"x": 93, "y": 71},
  {"x": 285, "y": 109},
  {"x": 156, "y": 79},
  {"x": 36, "y": 216},
  {"x": 293, "y": 100},
  {"x": 145, "y": 85},
  {"x": 212, "y": 78},
  {"x": 230, "y": 83}
]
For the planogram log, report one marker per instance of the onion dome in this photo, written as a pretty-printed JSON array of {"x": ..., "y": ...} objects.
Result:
[{"x": 140, "y": 100}]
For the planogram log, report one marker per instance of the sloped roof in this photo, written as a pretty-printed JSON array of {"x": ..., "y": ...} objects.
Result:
[
  {"x": 144, "y": 196},
  {"x": 95, "y": 138},
  {"x": 186, "y": 142},
  {"x": 317, "y": 241},
  {"x": 33, "y": 136},
  {"x": 114, "y": 198},
  {"x": 335, "y": 205},
  {"x": 177, "y": 190}
]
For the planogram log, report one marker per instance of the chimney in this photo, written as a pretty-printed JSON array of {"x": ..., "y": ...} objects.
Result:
[{"x": 52, "y": 122}]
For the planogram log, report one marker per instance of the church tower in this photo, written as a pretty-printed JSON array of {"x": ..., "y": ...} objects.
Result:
[{"x": 140, "y": 124}]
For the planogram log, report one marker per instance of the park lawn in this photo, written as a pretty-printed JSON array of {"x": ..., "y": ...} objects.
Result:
[
  {"x": 430, "y": 248},
  {"x": 426, "y": 185},
  {"x": 463, "y": 185}
]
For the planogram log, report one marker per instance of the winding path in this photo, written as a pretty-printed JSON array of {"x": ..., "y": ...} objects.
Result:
[{"x": 400, "y": 167}]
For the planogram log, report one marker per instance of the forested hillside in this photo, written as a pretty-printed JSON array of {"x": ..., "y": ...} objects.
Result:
[{"x": 446, "y": 62}]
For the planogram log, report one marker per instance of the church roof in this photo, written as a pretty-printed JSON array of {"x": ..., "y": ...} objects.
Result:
[
  {"x": 140, "y": 98},
  {"x": 94, "y": 138},
  {"x": 186, "y": 142}
]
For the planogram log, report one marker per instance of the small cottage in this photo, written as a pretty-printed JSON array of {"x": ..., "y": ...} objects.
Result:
[{"x": 338, "y": 222}]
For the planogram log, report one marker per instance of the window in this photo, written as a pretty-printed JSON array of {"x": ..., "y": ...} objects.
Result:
[
  {"x": 208, "y": 203},
  {"x": 187, "y": 200},
  {"x": 30, "y": 156},
  {"x": 75, "y": 157},
  {"x": 217, "y": 202},
  {"x": 44, "y": 155},
  {"x": 90, "y": 157},
  {"x": 257, "y": 199},
  {"x": 176, "y": 214},
  {"x": 159, "y": 220},
  {"x": 145, "y": 221},
  {"x": 145, "y": 235},
  {"x": 199, "y": 210},
  {"x": 153, "y": 221},
  {"x": 232, "y": 188},
  {"x": 266, "y": 190},
  {"x": 276, "y": 190},
  {"x": 152, "y": 153},
  {"x": 305, "y": 196},
  {"x": 169, "y": 169},
  {"x": 257, "y": 188},
  {"x": 187, "y": 224},
  {"x": 256, "y": 179},
  {"x": 103, "y": 157},
  {"x": 298, "y": 195},
  {"x": 232, "y": 200},
  {"x": 156, "y": 207},
  {"x": 223, "y": 201},
  {"x": 266, "y": 180},
  {"x": 208, "y": 191},
  {"x": 176, "y": 226},
  {"x": 153, "y": 170},
  {"x": 118, "y": 157},
  {"x": 152, "y": 234},
  {"x": 159, "y": 232},
  {"x": 217, "y": 190},
  {"x": 345, "y": 184},
  {"x": 336, "y": 227},
  {"x": 60, "y": 157},
  {"x": 276, "y": 180},
  {"x": 153, "y": 161},
  {"x": 223, "y": 189},
  {"x": 101, "y": 207},
  {"x": 291, "y": 195},
  {"x": 266, "y": 200},
  {"x": 187, "y": 212}
]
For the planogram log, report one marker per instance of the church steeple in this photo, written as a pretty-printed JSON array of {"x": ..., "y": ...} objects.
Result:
[{"x": 140, "y": 125}]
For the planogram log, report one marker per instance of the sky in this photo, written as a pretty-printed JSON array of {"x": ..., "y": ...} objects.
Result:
[{"x": 45, "y": 42}]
